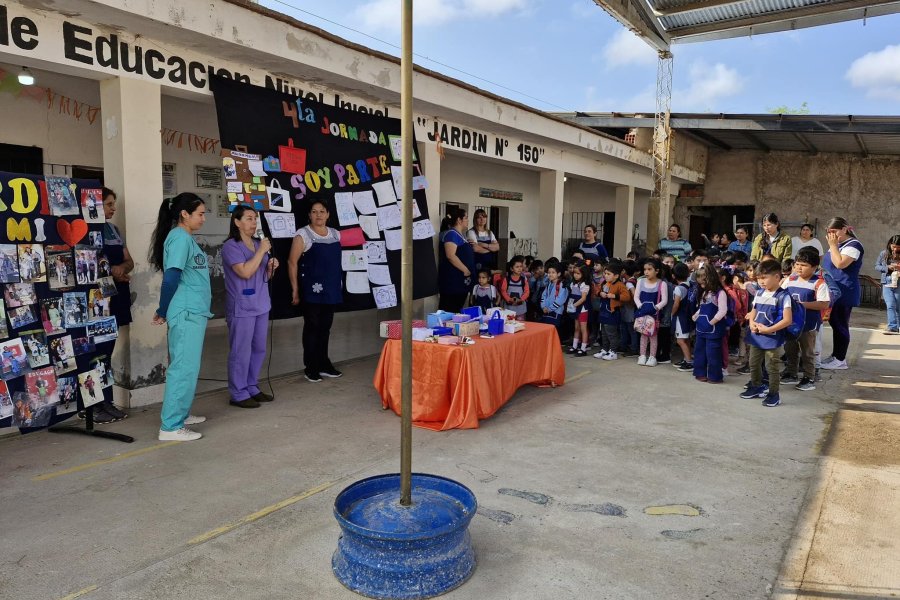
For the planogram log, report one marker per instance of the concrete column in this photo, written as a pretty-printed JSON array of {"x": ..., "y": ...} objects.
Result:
[
  {"x": 551, "y": 214},
  {"x": 431, "y": 168},
  {"x": 624, "y": 220},
  {"x": 132, "y": 166},
  {"x": 659, "y": 217}
]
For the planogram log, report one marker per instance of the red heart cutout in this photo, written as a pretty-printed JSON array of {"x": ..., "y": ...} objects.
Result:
[{"x": 71, "y": 233}]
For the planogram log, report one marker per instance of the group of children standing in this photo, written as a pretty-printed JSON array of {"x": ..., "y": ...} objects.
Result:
[{"x": 754, "y": 312}]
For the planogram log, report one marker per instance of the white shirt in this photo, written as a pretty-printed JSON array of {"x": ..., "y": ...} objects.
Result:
[{"x": 797, "y": 244}]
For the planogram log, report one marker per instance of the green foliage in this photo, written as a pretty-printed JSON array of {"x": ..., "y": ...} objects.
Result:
[{"x": 803, "y": 109}]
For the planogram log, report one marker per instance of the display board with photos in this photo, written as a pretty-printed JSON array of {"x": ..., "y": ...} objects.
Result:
[
  {"x": 55, "y": 305},
  {"x": 280, "y": 152}
]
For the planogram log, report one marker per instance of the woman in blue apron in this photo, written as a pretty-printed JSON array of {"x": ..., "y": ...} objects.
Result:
[
  {"x": 484, "y": 243},
  {"x": 842, "y": 261},
  {"x": 457, "y": 261},
  {"x": 320, "y": 278},
  {"x": 183, "y": 305}
]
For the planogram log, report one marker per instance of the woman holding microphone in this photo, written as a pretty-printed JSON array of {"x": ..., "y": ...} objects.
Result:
[{"x": 248, "y": 269}]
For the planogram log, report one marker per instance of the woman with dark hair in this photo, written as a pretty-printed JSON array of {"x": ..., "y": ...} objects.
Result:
[
  {"x": 674, "y": 244},
  {"x": 248, "y": 268},
  {"x": 183, "y": 305},
  {"x": 592, "y": 248},
  {"x": 457, "y": 261},
  {"x": 804, "y": 240},
  {"x": 888, "y": 265},
  {"x": 740, "y": 243},
  {"x": 320, "y": 248},
  {"x": 772, "y": 240},
  {"x": 483, "y": 243},
  {"x": 843, "y": 262}
]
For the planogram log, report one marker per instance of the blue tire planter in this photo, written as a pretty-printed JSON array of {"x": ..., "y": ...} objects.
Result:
[{"x": 390, "y": 551}]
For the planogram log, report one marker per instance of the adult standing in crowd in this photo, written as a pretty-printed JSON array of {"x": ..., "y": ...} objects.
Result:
[
  {"x": 183, "y": 305},
  {"x": 483, "y": 243},
  {"x": 843, "y": 262},
  {"x": 804, "y": 240},
  {"x": 591, "y": 248},
  {"x": 248, "y": 269},
  {"x": 772, "y": 240},
  {"x": 320, "y": 248},
  {"x": 888, "y": 265},
  {"x": 741, "y": 243},
  {"x": 457, "y": 261},
  {"x": 674, "y": 244},
  {"x": 121, "y": 264}
]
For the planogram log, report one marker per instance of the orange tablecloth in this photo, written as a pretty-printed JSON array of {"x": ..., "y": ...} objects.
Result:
[{"x": 455, "y": 386}]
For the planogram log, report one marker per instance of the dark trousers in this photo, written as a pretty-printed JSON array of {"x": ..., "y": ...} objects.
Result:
[
  {"x": 708, "y": 358},
  {"x": 840, "y": 326},
  {"x": 664, "y": 347},
  {"x": 610, "y": 335},
  {"x": 800, "y": 355},
  {"x": 317, "y": 320},
  {"x": 452, "y": 302},
  {"x": 628, "y": 337}
]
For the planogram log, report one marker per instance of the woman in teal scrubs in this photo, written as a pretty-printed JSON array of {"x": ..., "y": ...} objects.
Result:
[{"x": 183, "y": 305}]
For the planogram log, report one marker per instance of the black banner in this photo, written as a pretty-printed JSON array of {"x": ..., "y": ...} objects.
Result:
[{"x": 347, "y": 153}]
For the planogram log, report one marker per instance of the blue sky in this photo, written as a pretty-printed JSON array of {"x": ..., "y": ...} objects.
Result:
[{"x": 559, "y": 55}]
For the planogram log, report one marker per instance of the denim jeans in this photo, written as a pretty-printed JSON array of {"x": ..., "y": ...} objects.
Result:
[{"x": 892, "y": 300}]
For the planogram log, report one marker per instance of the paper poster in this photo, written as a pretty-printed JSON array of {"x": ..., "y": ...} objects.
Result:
[
  {"x": 423, "y": 229},
  {"x": 385, "y": 296},
  {"x": 346, "y": 211},
  {"x": 353, "y": 260},
  {"x": 364, "y": 202},
  {"x": 416, "y": 213},
  {"x": 379, "y": 274},
  {"x": 375, "y": 252},
  {"x": 369, "y": 226},
  {"x": 389, "y": 217},
  {"x": 256, "y": 168},
  {"x": 352, "y": 237},
  {"x": 281, "y": 225},
  {"x": 393, "y": 239},
  {"x": 396, "y": 145},
  {"x": 358, "y": 282},
  {"x": 418, "y": 183},
  {"x": 235, "y": 187},
  {"x": 384, "y": 191}
]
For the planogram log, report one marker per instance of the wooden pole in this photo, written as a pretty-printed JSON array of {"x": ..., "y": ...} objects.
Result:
[{"x": 406, "y": 256}]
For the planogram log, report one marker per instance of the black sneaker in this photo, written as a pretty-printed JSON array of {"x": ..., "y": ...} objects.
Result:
[
  {"x": 745, "y": 370},
  {"x": 261, "y": 397},
  {"x": 686, "y": 366},
  {"x": 248, "y": 403},
  {"x": 571, "y": 350},
  {"x": 114, "y": 412},
  {"x": 663, "y": 362},
  {"x": 580, "y": 352},
  {"x": 806, "y": 385},
  {"x": 101, "y": 417},
  {"x": 789, "y": 378},
  {"x": 331, "y": 373},
  {"x": 313, "y": 377}
]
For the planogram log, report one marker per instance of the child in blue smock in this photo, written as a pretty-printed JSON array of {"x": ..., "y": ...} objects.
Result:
[{"x": 183, "y": 305}]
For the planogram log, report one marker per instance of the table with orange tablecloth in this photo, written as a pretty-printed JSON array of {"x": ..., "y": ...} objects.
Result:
[{"x": 455, "y": 386}]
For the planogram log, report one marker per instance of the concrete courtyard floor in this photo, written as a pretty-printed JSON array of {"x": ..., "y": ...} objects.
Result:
[{"x": 627, "y": 482}]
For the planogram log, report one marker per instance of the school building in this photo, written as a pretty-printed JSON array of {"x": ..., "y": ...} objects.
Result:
[{"x": 121, "y": 92}]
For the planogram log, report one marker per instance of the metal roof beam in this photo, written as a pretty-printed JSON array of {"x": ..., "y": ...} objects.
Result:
[
  {"x": 633, "y": 15},
  {"x": 797, "y": 18},
  {"x": 692, "y": 6},
  {"x": 791, "y": 123},
  {"x": 810, "y": 147},
  {"x": 756, "y": 141},
  {"x": 862, "y": 145},
  {"x": 703, "y": 137}
]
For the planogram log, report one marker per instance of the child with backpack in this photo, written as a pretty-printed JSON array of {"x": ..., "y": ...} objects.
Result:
[
  {"x": 710, "y": 325},
  {"x": 484, "y": 294},
  {"x": 553, "y": 300},
  {"x": 650, "y": 297},
  {"x": 613, "y": 295},
  {"x": 537, "y": 282},
  {"x": 514, "y": 287},
  {"x": 682, "y": 311},
  {"x": 579, "y": 291},
  {"x": 628, "y": 337},
  {"x": 770, "y": 316},
  {"x": 664, "y": 346},
  {"x": 812, "y": 294}
]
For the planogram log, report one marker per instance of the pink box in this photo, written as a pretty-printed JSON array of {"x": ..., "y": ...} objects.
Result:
[{"x": 392, "y": 329}]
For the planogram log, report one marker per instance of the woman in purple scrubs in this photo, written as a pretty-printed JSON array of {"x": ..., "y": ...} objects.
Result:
[{"x": 248, "y": 268}]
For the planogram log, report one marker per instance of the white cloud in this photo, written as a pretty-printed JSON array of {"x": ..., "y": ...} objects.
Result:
[
  {"x": 625, "y": 48},
  {"x": 708, "y": 84},
  {"x": 385, "y": 14},
  {"x": 877, "y": 73}
]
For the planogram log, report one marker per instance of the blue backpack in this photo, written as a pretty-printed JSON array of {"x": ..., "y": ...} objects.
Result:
[{"x": 798, "y": 316}]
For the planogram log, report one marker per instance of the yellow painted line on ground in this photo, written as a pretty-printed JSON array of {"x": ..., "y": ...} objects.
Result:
[
  {"x": 260, "y": 513},
  {"x": 102, "y": 461},
  {"x": 80, "y": 593},
  {"x": 575, "y": 378}
]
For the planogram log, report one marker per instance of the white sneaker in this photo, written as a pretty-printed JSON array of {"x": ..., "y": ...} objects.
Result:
[
  {"x": 194, "y": 420},
  {"x": 611, "y": 356},
  {"x": 179, "y": 435},
  {"x": 835, "y": 365},
  {"x": 724, "y": 373},
  {"x": 824, "y": 361},
  {"x": 643, "y": 360},
  {"x": 601, "y": 354},
  {"x": 651, "y": 361}
]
